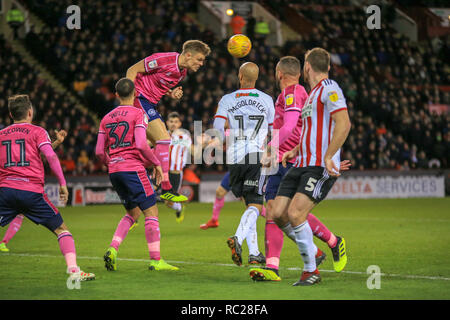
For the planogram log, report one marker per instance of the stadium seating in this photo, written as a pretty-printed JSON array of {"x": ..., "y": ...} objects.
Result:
[
  {"x": 52, "y": 110},
  {"x": 389, "y": 82},
  {"x": 383, "y": 75}
]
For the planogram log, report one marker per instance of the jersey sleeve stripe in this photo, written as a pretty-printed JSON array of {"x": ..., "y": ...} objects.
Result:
[
  {"x": 301, "y": 144},
  {"x": 308, "y": 141},
  {"x": 337, "y": 110},
  {"x": 139, "y": 125},
  {"x": 182, "y": 159},
  {"x": 45, "y": 142},
  {"x": 293, "y": 109},
  {"x": 219, "y": 116},
  {"x": 329, "y": 130},
  {"x": 320, "y": 111},
  {"x": 170, "y": 157}
]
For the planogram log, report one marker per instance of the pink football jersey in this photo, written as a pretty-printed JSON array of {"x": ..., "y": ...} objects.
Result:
[
  {"x": 162, "y": 74},
  {"x": 291, "y": 99},
  {"x": 118, "y": 126},
  {"x": 21, "y": 166}
]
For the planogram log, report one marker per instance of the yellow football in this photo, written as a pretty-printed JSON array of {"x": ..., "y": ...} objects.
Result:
[{"x": 239, "y": 45}]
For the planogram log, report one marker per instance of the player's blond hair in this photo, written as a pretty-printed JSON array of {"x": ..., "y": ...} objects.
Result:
[
  {"x": 319, "y": 59},
  {"x": 289, "y": 65},
  {"x": 196, "y": 46},
  {"x": 18, "y": 106}
]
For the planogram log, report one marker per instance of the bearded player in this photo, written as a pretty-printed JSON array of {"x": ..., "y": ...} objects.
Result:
[
  {"x": 325, "y": 127},
  {"x": 154, "y": 77},
  {"x": 288, "y": 109}
]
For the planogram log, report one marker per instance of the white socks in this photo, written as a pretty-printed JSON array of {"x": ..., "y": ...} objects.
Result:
[
  {"x": 176, "y": 206},
  {"x": 306, "y": 246},
  {"x": 289, "y": 231},
  {"x": 252, "y": 241},
  {"x": 248, "y": 220}
]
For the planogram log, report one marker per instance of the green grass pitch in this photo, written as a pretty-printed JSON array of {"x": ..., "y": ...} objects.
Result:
[{"x": 408, "y": 239}]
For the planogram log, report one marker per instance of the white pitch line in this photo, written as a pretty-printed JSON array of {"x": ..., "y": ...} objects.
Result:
[{"x": 231, "y": 265}]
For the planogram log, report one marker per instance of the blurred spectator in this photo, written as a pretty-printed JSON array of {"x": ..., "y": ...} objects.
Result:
[
  {"x": 389, "y": 82},
  {"x": 237, "y": 24},
  {"x": 250, "y": 30},
  {"x": 68, "y": 164},
  {"x": 262, "y": 29},
  {"x": 15, "y": 19}
]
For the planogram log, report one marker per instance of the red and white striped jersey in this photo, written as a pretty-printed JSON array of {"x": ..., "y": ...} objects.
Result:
[
  {"x": 180, "y": 149},
  {"x": 325, "y": 99}
]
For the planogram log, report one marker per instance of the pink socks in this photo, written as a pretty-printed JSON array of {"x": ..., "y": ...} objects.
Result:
[
  {"x": 274, "y": 244},
  {"x": 14, "y": 226},
  {"x": 263, "y": 212},
  {"x": 218, "y": 204},
  {"x": 162, "y": 153},
  {"x": 152, "y": 234},
  {"x": 67, "y": 246},
  {"x": 320, "y": 231},
  {"x": 122, "y": 230}
]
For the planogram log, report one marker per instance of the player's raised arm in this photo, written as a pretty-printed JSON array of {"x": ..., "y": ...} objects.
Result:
[
  {"x": 135, "y": 69},
  {"x": 55, "y": 166},
  {"x": 60, "y": 137}
]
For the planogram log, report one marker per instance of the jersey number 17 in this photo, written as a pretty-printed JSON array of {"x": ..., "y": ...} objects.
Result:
[{"x": 240, "y": 120}]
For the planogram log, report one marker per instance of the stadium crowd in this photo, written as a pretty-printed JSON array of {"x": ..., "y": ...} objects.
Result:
[
  {"x": 389, "y": 83},
  {"x": 383, "y": 75},
  {"x": 52, "y": 111}
]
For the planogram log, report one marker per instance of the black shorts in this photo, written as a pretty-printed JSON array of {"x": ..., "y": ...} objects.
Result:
[
  {"x": 315, "y": 182},
  {"x": 175, "y": 180},
  {"x": 246, "y": 181}
]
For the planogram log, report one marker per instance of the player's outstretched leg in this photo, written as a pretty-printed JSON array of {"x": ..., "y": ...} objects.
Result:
[
  {"x": 248, "y": 219},
  {"x": 254, "y": 257},
  {"x": 67, "y": 246},
  {"x": 153, "y": 237},
  {"x": 273, "y": 245},
  {"x": 335, "y": 243},
  {"x": 157, "y": 133},
  {"x": 219, "y": 202},
  {"x": 121, "y": 232},
  {"x": 179, "y": 210},
  {"x": 14, "y": 226}
]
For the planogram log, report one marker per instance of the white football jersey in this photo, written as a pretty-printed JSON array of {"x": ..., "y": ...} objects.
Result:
[
  {"x": 249, "y": 112},
  {"x": 180, "y": 149},
  {"x": 325, "y": 99}
]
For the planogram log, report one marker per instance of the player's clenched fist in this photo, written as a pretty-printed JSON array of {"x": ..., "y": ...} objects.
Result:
[
  {"x": 60, "y": 135},
  {"x": 176, "y": 93}
]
